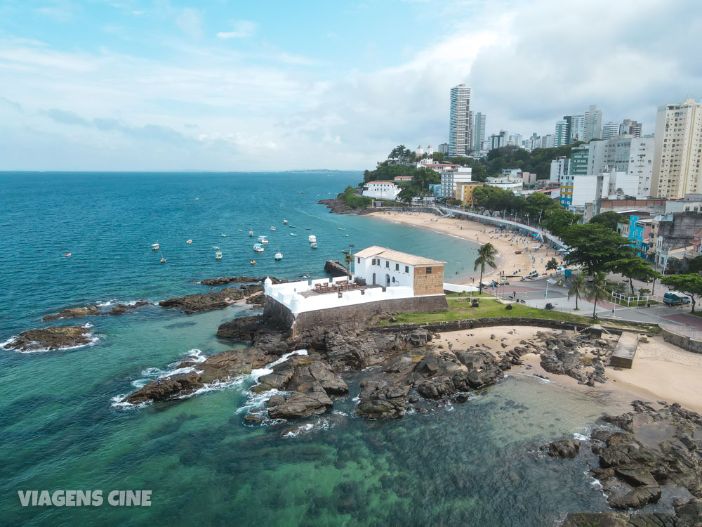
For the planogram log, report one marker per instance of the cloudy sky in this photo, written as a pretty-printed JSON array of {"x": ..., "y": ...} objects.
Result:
[{"x": 274, "y": 85}]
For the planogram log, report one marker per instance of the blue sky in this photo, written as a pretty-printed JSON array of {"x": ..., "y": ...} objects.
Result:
[{"x": 234, "y": 85}]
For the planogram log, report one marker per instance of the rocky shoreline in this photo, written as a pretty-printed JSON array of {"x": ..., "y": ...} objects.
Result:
[
  {"x": 639, "y": 453},
  {"x": 50, "y": 339},
  {"x": 337, "y": 206}
]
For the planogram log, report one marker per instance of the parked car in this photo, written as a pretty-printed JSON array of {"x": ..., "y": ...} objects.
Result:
[{"x": 675, "y": 298}]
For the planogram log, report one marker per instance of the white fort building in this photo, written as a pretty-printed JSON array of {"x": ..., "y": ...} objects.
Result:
[{"x": 383, "y": 280}]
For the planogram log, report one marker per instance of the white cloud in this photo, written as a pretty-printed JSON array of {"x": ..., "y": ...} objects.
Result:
[{"x": 240, "y": 29}]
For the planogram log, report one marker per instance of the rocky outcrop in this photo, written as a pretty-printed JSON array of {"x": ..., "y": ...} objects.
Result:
[
  {"x": 198, "y": 303},
  {"x": 217, "y": 368},
  {"x": 565, "y": 448},
  {"x": 50, "y": 339},
  {"x": 225, "y": 280},
  {"x": 656, "y": 447},
  {"x": 74, "y": 312},
  {"x": 121, "y": 309},
  {"x": 309, "y": 384}
]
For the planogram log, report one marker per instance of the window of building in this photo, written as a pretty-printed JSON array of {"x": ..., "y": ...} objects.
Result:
[
  {"x": 358, "y": 260},
  {"x": 397, "y": 267},
  {"x": 387, "y": 264},
  {"x": 407, "y": 268},
  {"x": 428, "y": 270}
]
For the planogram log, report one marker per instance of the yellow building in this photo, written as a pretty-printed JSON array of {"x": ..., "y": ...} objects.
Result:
[{"x": 464, "y": 191}]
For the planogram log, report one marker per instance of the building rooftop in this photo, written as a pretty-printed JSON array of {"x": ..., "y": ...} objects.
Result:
[
  {"x": 396, "y": 256},
  {"x": 380, "y": 182}
]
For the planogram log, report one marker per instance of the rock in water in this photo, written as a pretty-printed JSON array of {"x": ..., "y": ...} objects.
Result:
[
  {"x": 565, "y": 448},
  {"x": 74, "y": 312},
  {"x": 209, "y": 301},
  {"x": 50, "y": 339}
]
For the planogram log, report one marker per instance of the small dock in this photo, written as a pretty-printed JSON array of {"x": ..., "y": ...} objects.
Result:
[{"x": 623, "y": 356}]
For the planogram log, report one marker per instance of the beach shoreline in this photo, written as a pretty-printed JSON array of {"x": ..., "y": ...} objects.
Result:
[{"x": 517, "y": 254}]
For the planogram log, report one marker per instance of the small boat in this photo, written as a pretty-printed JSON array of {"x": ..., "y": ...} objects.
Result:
[
  {"x": 218, "y": 255},
  {"x": 285, "y": 222},
  {"x": 155, "y": 246},
  {"x": 252, "y": 262},
  {"x": 223, "y": 235},
  {"x": 258, "y": 248},
  {"x": 313, "y": 245},
  {"x": 163, "y": 259},
  {"x": 274, "y": 228},
  {"x": 250, "y": 233},
  {"x": 67, "y": 255},
  {"x": 278, "y": 256},
  {"x": 263, "y": 240},
  {"x": 189, "y": 242},
  {"x": 312, "y": 238},
  {"x": 293, "y": 234}
]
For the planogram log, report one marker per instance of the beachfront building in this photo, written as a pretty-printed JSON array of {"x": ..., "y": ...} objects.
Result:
[
  {"x": 505, "y": 182},
  {"x": 381, "y": 190},
  {"x": 450, "y": 178},
  {"x": 464, "y": 191},
  {"x": 383, "y": 280}
]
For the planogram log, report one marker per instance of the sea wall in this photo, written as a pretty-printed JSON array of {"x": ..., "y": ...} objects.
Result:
[{"x": 682, "y": 341}]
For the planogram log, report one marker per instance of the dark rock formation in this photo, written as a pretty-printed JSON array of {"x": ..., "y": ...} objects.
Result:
[
  {"x": 224, "y": 280},
  {"x": 565, "y": 448},
  {"x": 209, "y": 301},
  {"x": 121, "y": 309},
  {"x": 221, "y": 367},
  {"x": 52, "y": 338},
  {"x": 73, "y": 312}
]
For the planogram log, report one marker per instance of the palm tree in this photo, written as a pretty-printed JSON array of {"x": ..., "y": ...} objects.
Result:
[
  {"x": 577, "y": 288},
  {"x": 486, "y": 256},
  {"x": 596, "y": 289}
]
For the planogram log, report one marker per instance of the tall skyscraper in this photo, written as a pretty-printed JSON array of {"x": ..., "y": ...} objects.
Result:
[
  {"x": 593, "y": 124},
  {"x": 610, "y": 130},
  {"x": 629, "y": 127},
  {"x": 677, "y": 166},
  {"x": 478, "y": 131},
  {"x": 575, "y": 128},
  {"x": 561, "y": 136},
  {"x": 460, "y": 126},
  {"x": 641, "y": 163}
]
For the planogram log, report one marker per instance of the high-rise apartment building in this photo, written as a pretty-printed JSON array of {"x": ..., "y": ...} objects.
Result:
[
  {"x": 560, "y": 138},
  {"x": 677, "y": 165},
  {"x": 478, "y": 131},
  {"x": 592, "y": 124},
  {"x": 610, "y": 130},
  {"x": 629, "y": 127},
  {"x": 498, "y": 140},
  {"x": 460, "y": 122},
  {"x": 641, "y": 154},
  {"x": 575, "y": 128}
]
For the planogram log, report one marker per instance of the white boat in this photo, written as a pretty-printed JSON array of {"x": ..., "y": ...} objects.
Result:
[
  {"x": 67, "y": 255},
  {"x": 258, "y": 248},
  {"x": 293, "y": 234},
  {"x": 313, "y": 245},
  {"x": 263, "y": 240},
  {"x": 189, "y": 242},
  {"x": 155, "y": 246},
  {"x": 224, "y": 235},
  {"x": 218, "y": 255},
  {"x": 252, "y": 262},
  {"x": 274, "y": 228},
  {"x": 250, "y": 233},
  {"x": 312, "y": 238},
  {"x": 278, "y": 256},
  {"x": 163, "y": 259},
  {"x": 285, "y": 222}
]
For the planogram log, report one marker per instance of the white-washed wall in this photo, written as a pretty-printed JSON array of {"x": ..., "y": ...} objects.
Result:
[{"x": 288, "y": 295}]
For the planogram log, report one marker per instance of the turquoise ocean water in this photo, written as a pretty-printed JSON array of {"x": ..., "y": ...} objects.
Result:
[{"x": 471, "y": 464}]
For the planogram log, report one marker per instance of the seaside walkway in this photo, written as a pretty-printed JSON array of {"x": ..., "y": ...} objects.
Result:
[{"x": 536, "y": 233}]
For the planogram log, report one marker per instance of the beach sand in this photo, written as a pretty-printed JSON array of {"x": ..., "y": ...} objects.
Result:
[
  {"x": 661, "y": 371},
  {"x": 506, "y": 242}
]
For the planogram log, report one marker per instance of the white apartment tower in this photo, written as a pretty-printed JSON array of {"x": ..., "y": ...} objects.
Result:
[
  {"x": 677, "y": 165},
  {"x": 641, "y": 163},
  {"x": 478, "y": 131},
  {"x": 593, "y": 124},
  {"x": 460, "y": 125}
]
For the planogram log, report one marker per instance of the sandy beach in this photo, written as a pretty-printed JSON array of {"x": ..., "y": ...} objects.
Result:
[
  {"x": 661, "y": 371},
  {"x": 507, "y": 243}
]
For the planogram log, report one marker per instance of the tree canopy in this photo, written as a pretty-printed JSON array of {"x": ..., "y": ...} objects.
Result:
[
  {"x": 609, "y": 219},
  {"x": 594, "y": 246},
  {"x": 690, "y": 284}
]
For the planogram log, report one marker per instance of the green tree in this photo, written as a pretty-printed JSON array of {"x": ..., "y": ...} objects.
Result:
[
  {"x": 577, "y": 288},
  {"x": 594, "y": 246},
  {"x": 486, "y": 256},
  {"x": 690, "y": 284},
  {"x": 609, "y": 219},
  {"x": 552, "y": 264},
  {"x": 537, "y": 204},
  {"x": 558, "y": 219},
  {"x": 634, "y": 268},
  {"x": 595, "y": 290}
]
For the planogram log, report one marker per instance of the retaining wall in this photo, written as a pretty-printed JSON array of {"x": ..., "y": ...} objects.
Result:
[{"x": 682, "y": 341}]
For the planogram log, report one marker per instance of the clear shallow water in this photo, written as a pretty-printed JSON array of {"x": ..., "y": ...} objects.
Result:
[{"x": 472, "y": 464}]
